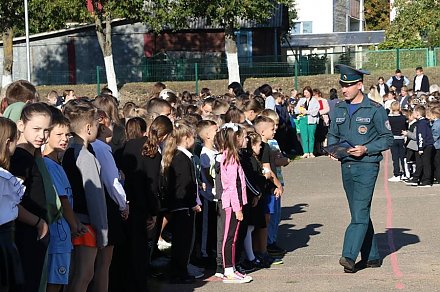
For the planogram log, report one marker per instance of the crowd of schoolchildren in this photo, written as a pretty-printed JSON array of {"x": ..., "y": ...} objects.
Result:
[
  {"x": 92, "y": 193},
  {"x": 414, "y": 121}
]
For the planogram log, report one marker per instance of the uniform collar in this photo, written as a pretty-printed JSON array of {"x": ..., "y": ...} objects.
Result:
[
  {"x": 185, "y": 151},
  {"x": 364, "y": 103}
]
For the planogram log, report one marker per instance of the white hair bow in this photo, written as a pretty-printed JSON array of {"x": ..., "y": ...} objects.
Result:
[{"x": 232, "y": 126}]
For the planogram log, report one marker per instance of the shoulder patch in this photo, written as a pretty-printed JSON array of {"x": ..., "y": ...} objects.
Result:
[{"x": 387, "y": 125}]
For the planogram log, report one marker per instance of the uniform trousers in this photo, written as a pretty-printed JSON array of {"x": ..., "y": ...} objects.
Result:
[
  {"x": 424, "y": 165},
  {"x": 359, "y": 179}
]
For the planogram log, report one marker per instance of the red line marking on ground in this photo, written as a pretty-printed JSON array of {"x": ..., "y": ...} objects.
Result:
[{"x": 393, "y": 255}]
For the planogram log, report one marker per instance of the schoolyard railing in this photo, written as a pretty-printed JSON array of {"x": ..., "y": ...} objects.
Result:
[{"x": 212, "y": 68}]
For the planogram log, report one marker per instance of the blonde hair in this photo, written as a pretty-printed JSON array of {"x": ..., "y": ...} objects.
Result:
[
  {"x": 181, "y": 130},
  {"x": 271, "y": 114},
  {"x": 395, "y": 106}
]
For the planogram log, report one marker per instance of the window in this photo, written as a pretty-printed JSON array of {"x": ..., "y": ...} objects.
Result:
[
  {"x": 302, "y": 27},
  {"x": 307, "y": 27},
  {"x": 296, "y": 29}
]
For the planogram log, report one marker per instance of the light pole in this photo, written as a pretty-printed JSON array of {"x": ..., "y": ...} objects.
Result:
[{"x": 28, "y": 51}]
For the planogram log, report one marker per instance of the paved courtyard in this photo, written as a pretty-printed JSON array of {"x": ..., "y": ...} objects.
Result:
[{"x": 315, "y": 215}]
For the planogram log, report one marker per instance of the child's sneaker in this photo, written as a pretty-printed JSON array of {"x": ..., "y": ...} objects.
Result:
[
  {"x": 163, "y": 245},
  {"x": 219, "y": 272},
  {"x": 394, "y": 179},
  {"x": 236, "y": 278}
]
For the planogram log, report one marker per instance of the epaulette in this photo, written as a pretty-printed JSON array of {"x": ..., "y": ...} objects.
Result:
[
  {"x": 375, "y": 103},
  {"x": 339, "y": 103}
]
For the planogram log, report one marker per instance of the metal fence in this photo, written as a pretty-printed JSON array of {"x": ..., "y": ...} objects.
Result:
[{"x": 266, "y": 66}]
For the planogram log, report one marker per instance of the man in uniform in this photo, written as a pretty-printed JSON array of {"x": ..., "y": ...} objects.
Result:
[{"x": 364, "y": 124}]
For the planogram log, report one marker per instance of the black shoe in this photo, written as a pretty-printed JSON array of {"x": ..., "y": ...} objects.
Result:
[
  {"x": 368, "y": 264},
  {"x": 183, "y": 280},
  {"x": 257, "y": 264},
  {"x": 275, "y": 250},
  {"x": 412, "y": 182},
  {"x": 265, "y": 260},
  {"x": 425, "y": 185},
  {"x": 239, "y": 268},
  {"x": 248, "y": 266},
  {"x": 348, "y": 264}
]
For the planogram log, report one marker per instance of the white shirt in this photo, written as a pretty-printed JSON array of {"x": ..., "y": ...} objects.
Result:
[
  {"x": 185, "y": 151},
  {"x": 207, "y": 159},
  {"x": 418, "y": 83},
  {"x": 269, "y": 103},
  {"x": 382, "y": 89},
  {"x": 110, "y": 173},
  {"x": 11, "y": 192}
]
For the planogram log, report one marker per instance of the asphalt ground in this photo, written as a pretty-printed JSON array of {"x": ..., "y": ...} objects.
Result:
[{"x": 315, "y": 215}]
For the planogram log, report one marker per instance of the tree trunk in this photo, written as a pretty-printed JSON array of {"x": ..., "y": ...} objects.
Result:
[
  {"x": 231, "y": 55},
  {"x": 7, "y": 37},
  {"x": 105, "y": 42}
]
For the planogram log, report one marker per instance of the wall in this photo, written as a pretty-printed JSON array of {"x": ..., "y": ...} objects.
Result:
[
  {"x": 340, "y": 18},
  {"x": 320, "y": 12}
]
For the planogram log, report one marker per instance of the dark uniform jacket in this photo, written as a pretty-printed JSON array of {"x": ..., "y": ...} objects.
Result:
[{"x": 368, "y": 126}]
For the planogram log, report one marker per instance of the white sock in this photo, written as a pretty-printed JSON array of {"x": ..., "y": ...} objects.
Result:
[
  {"x": 248, "y": 244},
  {"x": 229, "y": 271}
]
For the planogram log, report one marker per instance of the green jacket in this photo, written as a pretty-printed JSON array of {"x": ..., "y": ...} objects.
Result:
[
  {"x": 13, "y": 111},
  {"x": 368, "y": 126}
]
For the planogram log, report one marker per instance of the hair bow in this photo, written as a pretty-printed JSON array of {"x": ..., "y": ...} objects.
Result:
[{"x": 232, "y": 126}]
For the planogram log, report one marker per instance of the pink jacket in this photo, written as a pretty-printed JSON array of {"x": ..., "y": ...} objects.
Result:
[{"x": 230, "y": 196}]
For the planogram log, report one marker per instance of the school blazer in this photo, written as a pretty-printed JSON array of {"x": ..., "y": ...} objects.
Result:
[{"x": 181, "y": 183}]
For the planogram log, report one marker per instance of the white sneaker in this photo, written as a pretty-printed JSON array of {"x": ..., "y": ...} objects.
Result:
[
  {"x": 394, "y": 179},
  {"x": 195, "y": 271},
  {"x": 163, "y": 245},
  {"x": 236, "y": 278}
]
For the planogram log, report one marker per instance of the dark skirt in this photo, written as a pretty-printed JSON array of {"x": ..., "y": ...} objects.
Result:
[
  {"x": 11, "y": 271},
  {"x": 33, "y": 254},
  {"x": 255, "y": 216}
]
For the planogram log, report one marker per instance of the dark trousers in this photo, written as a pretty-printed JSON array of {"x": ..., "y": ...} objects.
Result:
[
  {"x": 424, "y": 165},
  {"x": 182, "y": 227},
  {"x": 232, "y": 225},
  {"x": 208, "y": 228},
  {"x": 359, "y": 179},
  {"x": 242, "y": 232},
  {"x": 32, "y": 254},
  {"x": 220, "y": 232},
  {"x": 398, "y": 156},
  {"x": 136, "y": 252},
  {"x": 437, "y": 165}
]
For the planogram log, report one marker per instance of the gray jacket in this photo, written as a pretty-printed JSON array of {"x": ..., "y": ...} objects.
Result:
[{"x": 312, "y": 111}]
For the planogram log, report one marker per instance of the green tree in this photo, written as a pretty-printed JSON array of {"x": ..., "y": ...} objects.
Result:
[
  {"x": 377, "y": 14},
  {"x": 226, "y": 14},
  {"x": 50, "y": 15},
  {"x": 417, "y": 24},
  {"x": 11, "y": 13},
  {"x": 44, "y": 16}
]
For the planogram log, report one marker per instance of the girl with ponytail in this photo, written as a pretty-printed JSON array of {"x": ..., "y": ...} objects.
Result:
[{"x": 141, "y": 163}]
